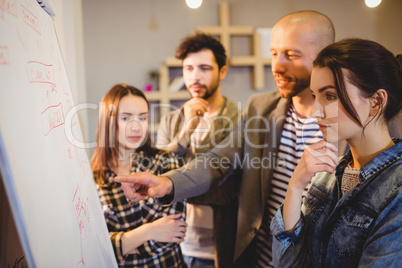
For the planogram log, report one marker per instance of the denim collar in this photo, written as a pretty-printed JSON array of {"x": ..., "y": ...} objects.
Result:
[{"x": 376, "y": 164}]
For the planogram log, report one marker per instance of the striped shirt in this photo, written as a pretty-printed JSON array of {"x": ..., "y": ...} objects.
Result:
[
  {"x": 297, "y": 134},
  {"x": 122, "y": 215}
]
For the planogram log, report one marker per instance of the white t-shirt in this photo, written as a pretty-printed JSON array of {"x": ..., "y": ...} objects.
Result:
[{"x": 199, "y": 241}]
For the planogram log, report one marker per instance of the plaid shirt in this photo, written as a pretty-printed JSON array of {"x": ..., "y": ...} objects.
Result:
[{"x": 123, "y": 215}]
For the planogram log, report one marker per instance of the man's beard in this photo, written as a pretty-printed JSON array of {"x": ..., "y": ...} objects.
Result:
[
  {"x": 209, "y": 93},
  {"x": 300, "y": 85}
]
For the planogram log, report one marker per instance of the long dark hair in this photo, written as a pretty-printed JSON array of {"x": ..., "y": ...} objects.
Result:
[
  {"x": 106, "y": 154},
  {"x": 369, "y": 66}
]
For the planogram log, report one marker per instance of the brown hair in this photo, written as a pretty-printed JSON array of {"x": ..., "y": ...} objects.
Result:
[
  {"x": 106, "y": 153},
  {"x": 198, "y": 41}
]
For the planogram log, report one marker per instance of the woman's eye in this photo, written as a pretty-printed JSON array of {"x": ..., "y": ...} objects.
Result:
[
  {"x": 125, "y": 118},
  {"x": 330, "y": 97},
  {"x": 143, "y": 118}
]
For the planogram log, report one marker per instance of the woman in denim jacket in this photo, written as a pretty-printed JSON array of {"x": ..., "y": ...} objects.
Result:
[{"x": 353, "y": 217}]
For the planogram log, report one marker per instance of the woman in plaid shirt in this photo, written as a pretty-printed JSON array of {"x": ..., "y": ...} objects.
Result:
[{"x": 143, "y": 234}]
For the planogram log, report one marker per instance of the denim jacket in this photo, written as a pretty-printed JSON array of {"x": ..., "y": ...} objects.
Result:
[{"x": 363, "y": 228}]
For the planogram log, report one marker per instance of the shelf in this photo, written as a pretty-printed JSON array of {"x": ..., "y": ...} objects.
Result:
[
  {"x": 256, "y": 61},
  {"x": 159, "y": 95}
]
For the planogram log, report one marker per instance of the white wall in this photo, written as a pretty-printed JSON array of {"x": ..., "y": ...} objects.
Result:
[
  {"x": 69, "y": 29},
  {"x": 125, "y": 39}
]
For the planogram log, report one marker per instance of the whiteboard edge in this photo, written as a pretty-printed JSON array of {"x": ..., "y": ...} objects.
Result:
[{"x": 12, "y": 198}]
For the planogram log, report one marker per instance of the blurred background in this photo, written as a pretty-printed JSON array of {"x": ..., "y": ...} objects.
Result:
[{"x": 126, "y": 41}]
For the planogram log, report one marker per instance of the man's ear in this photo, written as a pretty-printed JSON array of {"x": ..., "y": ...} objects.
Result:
[
  {"x": 378, "y": 101},
  {"x": 222, "y": 72}
]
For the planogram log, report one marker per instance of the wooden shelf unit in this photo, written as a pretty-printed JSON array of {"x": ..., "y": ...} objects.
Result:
[{"x": 225, "y": 31}]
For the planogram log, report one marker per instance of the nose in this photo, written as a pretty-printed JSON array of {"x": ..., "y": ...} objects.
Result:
[
  {"x": 278, "y": 64},
  {"x": 135, "y": 125},
  {"x": 317, "y": 112},
  {"x": 195, "y": 75}
]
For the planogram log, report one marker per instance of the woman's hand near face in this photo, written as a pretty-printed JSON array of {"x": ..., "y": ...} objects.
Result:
[{"x": 319, "y": 157}]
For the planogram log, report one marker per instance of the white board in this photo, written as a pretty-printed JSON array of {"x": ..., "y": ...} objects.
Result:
[{"x": 47, "y": 177}]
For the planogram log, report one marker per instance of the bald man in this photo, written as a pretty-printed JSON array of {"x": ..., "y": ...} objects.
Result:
[{"x": 266, "y": 145}]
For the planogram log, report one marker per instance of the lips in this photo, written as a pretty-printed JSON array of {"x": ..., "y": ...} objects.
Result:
[
  {"x": 281, "y": 81},
  {"x": 134, "y": 138},
  {"x": 197, "y": 88},
  {"x": 323, "y": 127}
]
